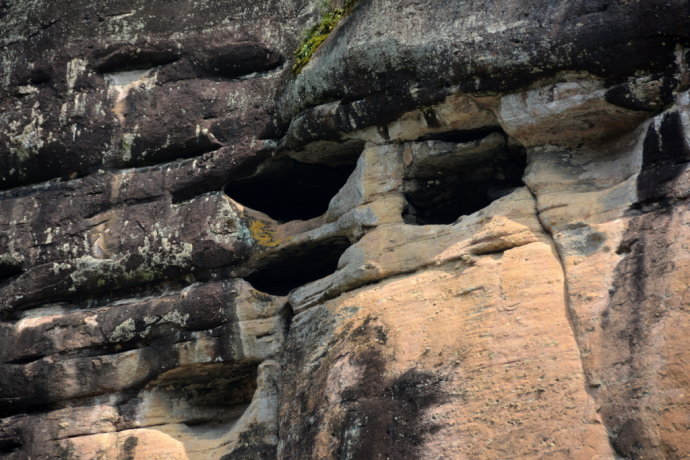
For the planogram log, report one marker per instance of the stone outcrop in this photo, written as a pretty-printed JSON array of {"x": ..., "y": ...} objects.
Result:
[{"x": 461, "y": 231}]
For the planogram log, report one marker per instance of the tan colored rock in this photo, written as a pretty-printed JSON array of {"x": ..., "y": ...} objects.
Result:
[
  {"x": 459, "y": 232},
  {"x": 396, "y": 249},
  {"x": 627, "y": 293},
  {"x": 454, "y": 361},
  {"x": 566, "y": 113}
]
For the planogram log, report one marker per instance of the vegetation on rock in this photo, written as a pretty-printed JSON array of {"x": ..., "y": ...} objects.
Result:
[{"x": 317, "y": 34}]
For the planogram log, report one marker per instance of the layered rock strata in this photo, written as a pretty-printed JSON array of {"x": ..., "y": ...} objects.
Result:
[{"x": 460, "y": 232}]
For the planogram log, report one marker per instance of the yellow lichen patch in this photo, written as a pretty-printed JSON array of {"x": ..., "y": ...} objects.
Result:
[{"x": 263, "y": 234}]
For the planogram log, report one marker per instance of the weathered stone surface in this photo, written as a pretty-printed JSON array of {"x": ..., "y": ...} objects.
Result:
[
  {"x": 454, "y": 361},
  {"x": 461, "y": 231},
  {"x": 628, "y": 326},
  {"x": 128, "y": 84}
]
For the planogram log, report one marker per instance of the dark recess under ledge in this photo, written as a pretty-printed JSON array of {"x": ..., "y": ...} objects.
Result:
[
  {"x": 296, "y": 267},
  {"x": 8, "y": 446},
  {"x": 291, "y": 190},
  {"x": 9, "y": 270},
  {"x": 442, "y": 199}
]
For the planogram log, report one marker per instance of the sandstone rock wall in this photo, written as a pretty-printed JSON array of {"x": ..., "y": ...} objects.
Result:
[{"x": 460, "y": 232}]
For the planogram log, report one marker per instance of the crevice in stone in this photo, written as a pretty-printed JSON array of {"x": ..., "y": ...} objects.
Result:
[
  {"x": 590, "y": 386},
  {"x": 297, "y": 266},
  {"x": 93, "y": 296},
  {"x": 88, "y": 300},
  {"x": 28, "y": 359},
  {"x": 131, "y": 57},
  {"x": 228, "y": 61},
  {"x": 239, "y": 59},
  {"x": 204, "y": 183},
  {"x": 205, "y": 423},
  {"x": 561, "y": 261},
  {"x": 202, "y": 397},
  {"x": 462, "y": 190},
  {"x": 288, "y": 314},
  {"x": 191, "y": 192},
  {"x": 168, "y": 76},
  {"x": 9, "y": 270},
  {"x": 9, "y": 446},
  {"x": 160, "y": 335},
  {"x": 460, "y": 136},
  {"x": 548, "y": 232},
  {"x": 28, "y": 189},
  {"x": 155, "y": 155},
  {"x": 665, "y": 156},
  {"x": 290, "y": 190},
  {"x": 145, "y": 155}
]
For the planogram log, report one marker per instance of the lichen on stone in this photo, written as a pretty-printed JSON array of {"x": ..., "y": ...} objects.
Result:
[{"x": 263, "y": 234}]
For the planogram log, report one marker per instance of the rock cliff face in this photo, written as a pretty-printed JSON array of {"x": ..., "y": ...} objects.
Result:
[{"x": 460, "y": 232}]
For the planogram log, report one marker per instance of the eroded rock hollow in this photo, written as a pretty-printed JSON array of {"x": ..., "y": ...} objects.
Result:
[{"x": 454, "y": 230}]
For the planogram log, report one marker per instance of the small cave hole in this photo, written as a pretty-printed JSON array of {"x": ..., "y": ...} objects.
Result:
[
  {"x": 296, "y": 267},
  {"x": 291, "y": 190},
  {"x": 9, "y": 270},
  {"x": 458, "y": 191},
  {"x": 125, "y": 58},
  {"x": 25, "y": 359},
  {"x": 214, "y": 393},
  {"x": 9, "y": 446}
]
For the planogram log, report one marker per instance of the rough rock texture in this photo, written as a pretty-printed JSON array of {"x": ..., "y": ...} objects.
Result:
[{"x": 460, "y": 232}]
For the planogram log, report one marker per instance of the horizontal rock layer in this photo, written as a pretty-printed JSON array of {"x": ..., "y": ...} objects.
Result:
[{"x": 459, "y": 232}]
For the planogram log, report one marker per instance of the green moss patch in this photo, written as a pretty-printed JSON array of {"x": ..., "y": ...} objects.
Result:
[{"x": 319, "y": 33}]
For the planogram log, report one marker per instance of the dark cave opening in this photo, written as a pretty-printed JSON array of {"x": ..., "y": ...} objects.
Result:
[
  {"x": 442, "y": 199},
  {"x": 291, "y": 190},
  {"x": 8, "y": 446},
  {"x": 298, "y": 266},
  {"x": 9, "y": 270}
]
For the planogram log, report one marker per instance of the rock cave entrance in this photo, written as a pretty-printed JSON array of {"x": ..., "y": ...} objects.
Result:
[
  {"x": 9, "y": 270},
  {"x": 291, "y": 190},
  {"x": 298, "y": 266},
  {"x": 9, "y": 446},
  {"x": 208, "y": 394},
  {"x": 457, "y": 176}
]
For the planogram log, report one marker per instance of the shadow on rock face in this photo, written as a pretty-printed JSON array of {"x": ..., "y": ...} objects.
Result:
[
  {"x": 639, "y": 303},
  {"x": 385, "y": 416},
  {"x": 374, "y": 417}
]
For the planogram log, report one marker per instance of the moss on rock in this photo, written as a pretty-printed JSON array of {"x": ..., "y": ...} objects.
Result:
[{"x": 316, "y": 35}]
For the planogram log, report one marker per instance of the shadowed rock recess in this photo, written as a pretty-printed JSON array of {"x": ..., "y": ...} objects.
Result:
[{"x": 460, "y": 231}]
